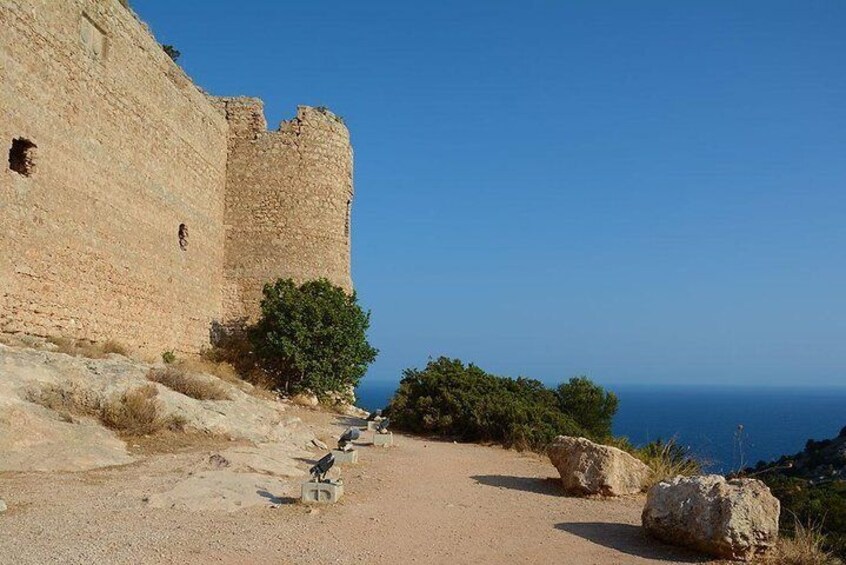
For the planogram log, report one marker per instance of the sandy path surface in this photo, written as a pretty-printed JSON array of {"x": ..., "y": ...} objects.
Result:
[{"x": 419, "y": 502}]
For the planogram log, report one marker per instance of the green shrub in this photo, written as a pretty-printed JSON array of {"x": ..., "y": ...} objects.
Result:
[
  {"x": 451, "y": 399},
  {"x": 312, "y": 337},
  {"x": 591, "y": 406},
  {"x": 168, "y": 357},
  {"x": 172, "y": 52}
]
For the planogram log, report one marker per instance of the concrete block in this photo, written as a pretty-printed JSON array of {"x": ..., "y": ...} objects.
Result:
[
  {"x": 383, "y": 440},
  {"x": 328, "y": 492},
  {"x": 342, "y": 457}
]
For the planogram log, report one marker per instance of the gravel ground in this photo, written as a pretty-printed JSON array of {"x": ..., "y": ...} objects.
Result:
[{"x": 421, "y": 501}]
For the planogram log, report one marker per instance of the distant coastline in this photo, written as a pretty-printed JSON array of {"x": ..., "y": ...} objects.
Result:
[{"x": 776, "y": 421}]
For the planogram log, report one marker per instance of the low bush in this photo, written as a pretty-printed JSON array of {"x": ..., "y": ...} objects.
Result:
[
  {"x": 454, "y": 400},
  {"x": 194, "y": 386}
]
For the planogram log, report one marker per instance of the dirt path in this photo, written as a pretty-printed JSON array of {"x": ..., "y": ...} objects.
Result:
[{"x": 419, "y": 502}]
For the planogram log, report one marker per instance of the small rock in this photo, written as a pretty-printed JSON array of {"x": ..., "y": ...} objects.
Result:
[
  {"x": 218, "y": 461},
  {"x": 319, "y": 444},
  {"x": 3, "y": 506},
  {"x": 734, "y": 519},
  {"x": 305, "y": 399},
  {"x": 589, "y": 468}
]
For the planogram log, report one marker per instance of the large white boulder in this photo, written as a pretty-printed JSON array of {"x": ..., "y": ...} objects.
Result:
[
  {"x": 589, "y": 468},
  {"x": 735, "y": 519}
]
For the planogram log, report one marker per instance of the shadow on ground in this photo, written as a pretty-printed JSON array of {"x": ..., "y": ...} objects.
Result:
[
  {"x": 629, "y": 539},
  {"x": 276, "y": 499},
  {"x": 548, "y": 486}
]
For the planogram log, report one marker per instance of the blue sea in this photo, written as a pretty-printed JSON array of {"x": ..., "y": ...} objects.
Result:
[{"x": 725, "y": 427}]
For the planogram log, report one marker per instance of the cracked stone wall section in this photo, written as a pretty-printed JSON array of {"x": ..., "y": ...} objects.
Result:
[
  {"x": 288, "y": 199},
  {"x": 127, "y": 150}
]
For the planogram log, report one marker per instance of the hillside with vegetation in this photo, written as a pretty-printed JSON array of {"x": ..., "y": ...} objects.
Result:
[{"x": 811, "y": 486}]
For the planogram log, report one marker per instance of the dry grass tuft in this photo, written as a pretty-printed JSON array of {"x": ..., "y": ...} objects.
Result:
[
  {"x": 89, "y": 349},
  {"x": 220, "y": 369},
  {"x": 237, "y": 352},
  {"x": 805, "y": 547},
  {"x": 667, "y": 460},
  {"x": 177, "y": 379},
  {"x": 137, "y": 412},
  {"x": 112, "y": 346}
]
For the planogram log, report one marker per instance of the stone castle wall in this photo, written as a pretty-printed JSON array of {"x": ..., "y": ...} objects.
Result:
[
  {"x": 120, "y": 151},
  {"x": 288, "y": 200}
]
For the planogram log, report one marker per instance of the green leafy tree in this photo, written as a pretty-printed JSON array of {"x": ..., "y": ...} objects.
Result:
[
  {"x": 312, "y": 337},
  {"x": 591, "y": 406}
]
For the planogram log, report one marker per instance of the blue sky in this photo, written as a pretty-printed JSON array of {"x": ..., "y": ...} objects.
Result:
[{"x": 642, "y": 192}]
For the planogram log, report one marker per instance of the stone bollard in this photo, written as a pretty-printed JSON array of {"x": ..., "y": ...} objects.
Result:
[
  {"x": 342, "y": 457},
  {"x": 383, "y": 440},
  {"x": 325, "y": 492}
]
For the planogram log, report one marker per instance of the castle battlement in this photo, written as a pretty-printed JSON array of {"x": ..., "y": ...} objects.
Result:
[{"x": 137, "y": 208}]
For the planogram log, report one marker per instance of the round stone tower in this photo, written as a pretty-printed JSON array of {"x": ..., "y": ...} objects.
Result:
[{"x": 288, "y": 203}]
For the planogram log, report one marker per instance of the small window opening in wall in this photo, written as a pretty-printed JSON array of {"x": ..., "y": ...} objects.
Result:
[
  {"x": 22, "y": 156},
  {"x": 347, "y": 220},
  {"x": 93, "y": 38},
  {"x": 183, "y": 237}
]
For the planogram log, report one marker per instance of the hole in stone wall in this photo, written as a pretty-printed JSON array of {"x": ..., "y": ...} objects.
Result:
[
  {"x": 183, "y": 237},
  {"x": 22, "y": 156}
]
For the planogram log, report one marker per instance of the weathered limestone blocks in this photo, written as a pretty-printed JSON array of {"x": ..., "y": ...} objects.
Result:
[
  {"x": 288, "y": 203},
  {"x": 126, "y": 150},
  {"x": 138, "y": 209},
  {"x": 734, "y": 519},
  {"x": 588, "y": 468}
]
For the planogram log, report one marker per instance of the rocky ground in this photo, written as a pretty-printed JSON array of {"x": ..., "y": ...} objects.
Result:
[{"x": 216, "y": 500}]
